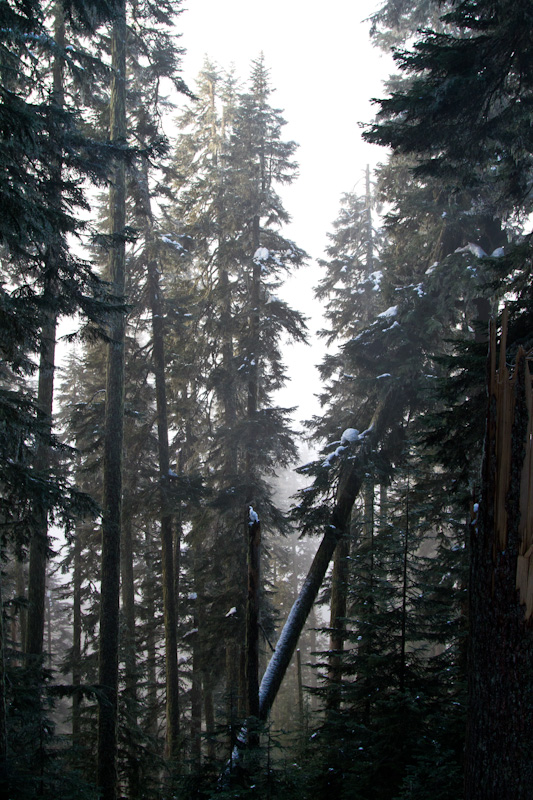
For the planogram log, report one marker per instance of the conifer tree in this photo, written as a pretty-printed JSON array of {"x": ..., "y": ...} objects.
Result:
[{"x": 493, "y": 162}]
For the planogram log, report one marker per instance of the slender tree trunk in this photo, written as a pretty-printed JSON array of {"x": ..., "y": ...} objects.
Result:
[
  {"x": 232, "y": 691},
  {"x": 301, "y": 707},
  {"x": 209, "y": 712},
  {"x": 367, "y": 644},
  {"x": 21, "y": 593},
  {"x": 129, "y": 648},
  {"x": 76, "y": 640},
  {"x": 167, "y": 548},
  {"x": 113, "y": 438},
  {"x": 252, "y": 526},
  {"x": 45, "y": 392},
  {"x": 403, "y": 632},
  {"x": 196, "y": 703},
  {"x": 252, "y": 624},
  {"x": 151, "y": 654},
  {"x": 39, "y": 540},
  {"x": 4, "y": 775},
  {"x": 370, "y": 231}
]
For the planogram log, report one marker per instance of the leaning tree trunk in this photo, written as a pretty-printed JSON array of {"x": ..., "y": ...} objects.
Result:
[
  {"x": 350, "y": 483},
  {"x": 113, "y": 436},
  {"x": 499, "y": 745}
]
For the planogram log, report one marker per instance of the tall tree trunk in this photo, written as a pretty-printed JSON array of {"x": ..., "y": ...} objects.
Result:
[
  {"x": 196, "y": 703},
  {"x": 370, "y": 231},
  {"x": 252, "y": 526},
  {"x": 113, "y": 437},
  {"x": 151, "y": 654},
  {"x": 21, "y": 594},
  {"x": 76, "y": 640},
  {"x": 500, "y": 687},
  {"x": 403, "y": 630},
  {"x": 45, "y": 390},
  {"x": 366, "y": 646},
  {"x": 252, "y": 623},
  {"x": 39, "y": 538},
  {"x": 129, "y": 649},
  {"x": 167, "y": 545},
  {"x": 4, "y": 774},
  {"x": 301, "y": 707},
  {"x": 209, "y": 713}
]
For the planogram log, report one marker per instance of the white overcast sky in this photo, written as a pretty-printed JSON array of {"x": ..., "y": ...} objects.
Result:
[{"x": 324, "y": 71}]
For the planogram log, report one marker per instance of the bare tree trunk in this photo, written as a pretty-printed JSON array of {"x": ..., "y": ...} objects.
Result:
[{"x": 113, "y": 438}]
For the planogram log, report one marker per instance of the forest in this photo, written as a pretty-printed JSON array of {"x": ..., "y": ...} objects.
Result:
[{"x": 197, "y": 601}]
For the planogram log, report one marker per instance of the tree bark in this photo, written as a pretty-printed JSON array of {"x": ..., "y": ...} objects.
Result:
[
  {"x": 337, "y": 623},
  {"x": 500, "y": 688},
  {"x": 4, "y": 775},
  {"x": 113, "y": 436}
]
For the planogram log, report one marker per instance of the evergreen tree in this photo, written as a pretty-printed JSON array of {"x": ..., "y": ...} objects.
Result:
[{"x": 493, "y": 163}]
